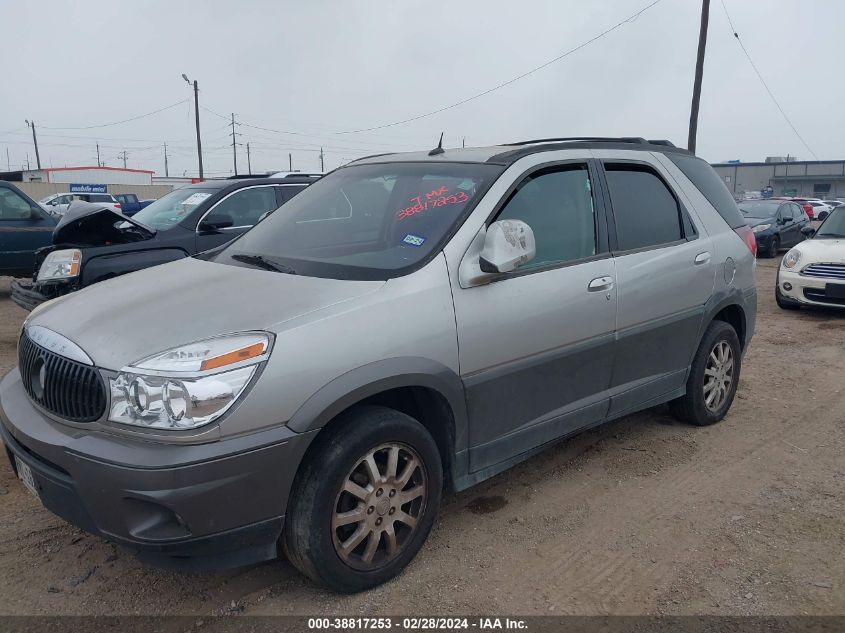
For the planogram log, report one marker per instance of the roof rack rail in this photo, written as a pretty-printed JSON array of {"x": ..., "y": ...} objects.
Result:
[{"x": 591, "y": 139}]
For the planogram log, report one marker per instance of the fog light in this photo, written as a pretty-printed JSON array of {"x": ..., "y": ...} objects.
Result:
[{"x": 787, "y": 286}]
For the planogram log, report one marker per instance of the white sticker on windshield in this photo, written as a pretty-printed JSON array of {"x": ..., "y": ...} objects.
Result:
[{"x": 194, "y": 199}]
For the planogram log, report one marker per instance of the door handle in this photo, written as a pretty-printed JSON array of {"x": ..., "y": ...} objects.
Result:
[
  {"x": 702, "y": 258},
  {"x": 600, "y": 284}
]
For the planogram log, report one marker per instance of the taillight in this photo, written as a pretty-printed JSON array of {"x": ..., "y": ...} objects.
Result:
[
  {"x": 747, "y": 235},
  {"x": 808, "y": 209},
  {"x": 117, "y": 205}
]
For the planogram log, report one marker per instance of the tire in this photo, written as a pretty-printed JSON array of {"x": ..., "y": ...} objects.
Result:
[
  {"x": 693, "y": 407},
  {"x": 823, "y": 215},
  {"x": 783, "y": 302},
  {"x": 774, "y": 247},
  {"x": 317, "y": 523}
]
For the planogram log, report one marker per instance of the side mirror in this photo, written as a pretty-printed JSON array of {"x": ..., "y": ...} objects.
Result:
[
  {"x": 216, "y": 222},
  {"x": 507, "y": 245},
  {"x": 808, "y": 231}
]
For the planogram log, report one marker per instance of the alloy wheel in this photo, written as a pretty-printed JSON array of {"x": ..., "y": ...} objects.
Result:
[
  {"x": 718, "y": 375},
  {"x": 377, "y": 511}
]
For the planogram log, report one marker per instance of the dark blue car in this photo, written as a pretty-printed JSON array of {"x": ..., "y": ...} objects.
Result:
[{"x": 24, "y": 228}]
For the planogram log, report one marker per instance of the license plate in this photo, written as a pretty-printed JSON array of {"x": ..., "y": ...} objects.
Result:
[
  {"x": 25, "y": 474},
  {"x": 835, "y": 291}
]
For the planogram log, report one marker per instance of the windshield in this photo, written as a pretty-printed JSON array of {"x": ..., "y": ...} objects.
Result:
[
  {"x": 759, "y": 209},
  {"x": 366, "y": 221},
  {"x": 168, "y": 211},
  {"x": 834, "y": 225}
]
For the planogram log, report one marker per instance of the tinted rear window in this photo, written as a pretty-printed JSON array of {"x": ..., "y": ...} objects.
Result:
[
  {"x": 94, "y": 197},
  {"x": 710, "y": 185}
]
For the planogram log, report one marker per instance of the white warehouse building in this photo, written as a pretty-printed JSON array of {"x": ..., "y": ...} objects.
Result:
[{"x": 82, "y": 175}]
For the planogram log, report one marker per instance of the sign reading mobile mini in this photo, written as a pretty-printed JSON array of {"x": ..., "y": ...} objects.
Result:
[{"x": 88, "y": 188}]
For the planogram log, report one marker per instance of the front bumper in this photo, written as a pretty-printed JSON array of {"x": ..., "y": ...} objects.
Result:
[
  {"x": 194, "y": 507},
  {"x": 27, "y": 295},
  {"x": 807, "y": 290}
]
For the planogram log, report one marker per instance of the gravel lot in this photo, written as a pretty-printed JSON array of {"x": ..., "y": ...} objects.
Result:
[{"x": 642, "y": 516}]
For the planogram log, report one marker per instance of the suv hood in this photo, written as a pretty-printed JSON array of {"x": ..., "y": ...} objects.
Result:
[
  {"x": 86, "y": 224},
  {"x": 122, "y": 320}
]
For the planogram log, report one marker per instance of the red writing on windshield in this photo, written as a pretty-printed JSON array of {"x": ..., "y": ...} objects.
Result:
[{"x": 435, "y": 198}]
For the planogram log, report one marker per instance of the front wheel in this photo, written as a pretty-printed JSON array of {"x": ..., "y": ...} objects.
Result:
[
  {"x": 713, "y": 377},
  {"x": 364, "y": 501},
  {"x": 774, "y": 247}
]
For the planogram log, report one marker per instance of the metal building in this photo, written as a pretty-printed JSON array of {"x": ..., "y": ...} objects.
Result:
[
  {"x": 802, "y": 178},
  {"x": 82, "y": 175}
]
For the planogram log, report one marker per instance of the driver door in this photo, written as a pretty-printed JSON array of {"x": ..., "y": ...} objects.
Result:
[
  {"x": 536, "y": 345},
  {"x": 243, "y": 208},
  {"x": 23, "y": 229}
]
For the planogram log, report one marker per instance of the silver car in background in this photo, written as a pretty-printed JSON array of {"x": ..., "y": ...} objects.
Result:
[{"x": 409, "y": 323}]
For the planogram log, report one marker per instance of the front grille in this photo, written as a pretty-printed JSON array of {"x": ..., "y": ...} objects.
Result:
[
  {"x": 818, "y": 294},
  {"x": 71, "y": 390},
  {"x": 828, "y": 271}
]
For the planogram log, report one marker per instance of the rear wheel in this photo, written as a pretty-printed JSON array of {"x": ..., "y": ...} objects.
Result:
[
  {"x": 823, "y": 215},
  {"x": 774, "y": 247},
  {"x": 364, "y": 502},
  {"x": 713, "y": 377}
]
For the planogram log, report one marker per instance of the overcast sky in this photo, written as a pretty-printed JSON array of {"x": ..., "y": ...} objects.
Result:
[{"x": 320, "y": 67}]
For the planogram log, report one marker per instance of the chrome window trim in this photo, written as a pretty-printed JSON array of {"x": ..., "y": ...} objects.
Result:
[{"x": 232, "y": 193}]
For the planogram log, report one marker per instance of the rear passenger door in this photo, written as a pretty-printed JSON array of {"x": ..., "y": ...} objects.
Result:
[{"x": 665, "y": 275}]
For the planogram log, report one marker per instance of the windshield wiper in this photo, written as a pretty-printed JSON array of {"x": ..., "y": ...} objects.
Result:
[{"x": 263, "y": 262}]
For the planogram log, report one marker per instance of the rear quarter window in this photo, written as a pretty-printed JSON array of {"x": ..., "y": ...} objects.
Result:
[{"x": 707, "y": 181}]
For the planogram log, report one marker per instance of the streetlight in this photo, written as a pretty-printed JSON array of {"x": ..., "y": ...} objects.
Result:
[
  {"x": 35, "y": 141},
  {"x": 197, "y": 112}
]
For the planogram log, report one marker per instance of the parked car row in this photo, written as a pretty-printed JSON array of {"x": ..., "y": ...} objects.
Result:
[
  {"x": 776, "y": 223},
  {"x": 813, "y": 272},
  {"x": 58, "y": 203},
  {"x": 93, "y": 241}
]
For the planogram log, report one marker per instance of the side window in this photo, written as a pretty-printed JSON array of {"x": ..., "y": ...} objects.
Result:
[
  {"x": 246, "y": 206},
  {"x": 287, "y": 192},
  {"x": 797, "y": 212},
  {"x": 557, "y": 203},
  {"x": 644, "y": 209},
  {"x": 12, "y": 206}
]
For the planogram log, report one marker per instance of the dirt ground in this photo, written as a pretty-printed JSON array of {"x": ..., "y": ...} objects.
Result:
[{"x": 642, "y": 516}]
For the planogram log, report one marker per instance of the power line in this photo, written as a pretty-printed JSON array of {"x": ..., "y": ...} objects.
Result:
[
  {"x": 629, "y": 19},
  {"x": 763, "y": 81},
  {"x": 134, "y": 118}
]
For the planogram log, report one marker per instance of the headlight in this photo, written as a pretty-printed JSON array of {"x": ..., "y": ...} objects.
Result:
[
  {"x": 792, "y": 258},
  {"x": 60, "y": 265},
  {"x": 761, "y": 227},
  {"x": 188, "y": 386}
]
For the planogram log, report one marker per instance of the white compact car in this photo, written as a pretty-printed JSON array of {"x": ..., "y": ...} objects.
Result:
[
  {"x": 58, "y": 203},
  {"x": 813, "y": 273}
]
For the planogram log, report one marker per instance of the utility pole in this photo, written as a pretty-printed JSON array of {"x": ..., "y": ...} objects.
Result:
[
  {"x": 322, "y": 164},
  {"x": 123, "y": 156},
  {"x": 464, "y": 142},
  {"x": 27, "y": 161},
  {"x": 166, "y": 173},
  {"x": 31, "y": 124},
  {"x": 248, "y": 161},
  {"x": 8, "y": 162},
  {"x": 290, "y": 162},
  {"x": 699, "y": 71},
  {"x": 197, "y": 113},
  {"x": 98, "y": 155},
  {"x": 234, "y": 144}
]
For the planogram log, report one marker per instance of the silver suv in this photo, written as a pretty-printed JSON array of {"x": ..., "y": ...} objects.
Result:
[{"x": 409, "y": 323}]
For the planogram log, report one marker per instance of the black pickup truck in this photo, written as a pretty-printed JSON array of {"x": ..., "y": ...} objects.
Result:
[{"x": 92, "y": 243}]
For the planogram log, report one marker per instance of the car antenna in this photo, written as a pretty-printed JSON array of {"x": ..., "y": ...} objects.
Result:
[{"x": 439, "y": 149}]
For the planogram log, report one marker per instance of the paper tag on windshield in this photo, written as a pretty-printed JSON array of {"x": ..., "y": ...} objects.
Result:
[{"x": 194, "y": 199}]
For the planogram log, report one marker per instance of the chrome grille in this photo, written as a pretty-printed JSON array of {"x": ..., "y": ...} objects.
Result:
[
  {"x": 71, "y": 390},
  {"x": 828, "y": 271}
]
